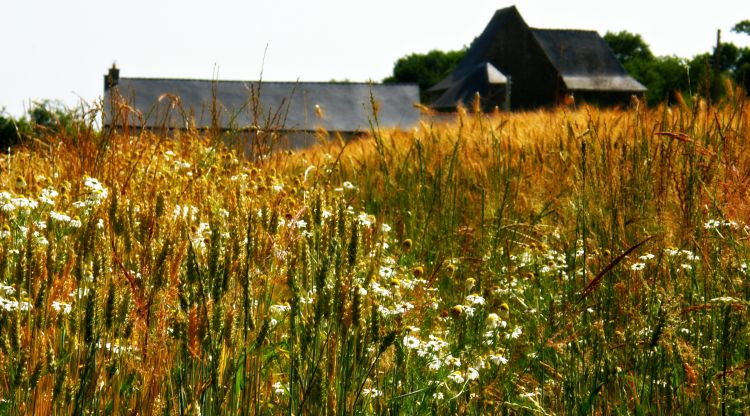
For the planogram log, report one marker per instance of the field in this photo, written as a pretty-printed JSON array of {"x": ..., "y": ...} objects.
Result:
[{"x": 571, "y": 261}]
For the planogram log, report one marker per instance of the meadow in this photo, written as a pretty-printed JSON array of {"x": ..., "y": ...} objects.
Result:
[{"x": 567, "y": 261}]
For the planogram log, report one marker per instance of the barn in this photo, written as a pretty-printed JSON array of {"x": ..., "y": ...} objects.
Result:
[
  {"x": 541, "y": 67},
  {"x": 294, "y": 111}
]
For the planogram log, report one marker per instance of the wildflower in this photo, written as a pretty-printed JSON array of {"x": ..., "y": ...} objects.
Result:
[
  {"x": 12, "y": 305},
  {"x": 379, "y": 290},
  {"x": 637, "y": 266},
  {"x": 62, "y": 307},
  {"x": 280, "y": 309},
  {"x": 178, "y": 164},
  {"x": 472, "y": 373},
  {"x": 24, "y": 204},
  {"x": 457, "y": 310},
  {"x": 498, "y": 359},
  {"x": 437, "y": 395},
  {"x": 59, "y": 217},
  {"x": 365, "y": 219},
  {"x": 470, "y": 283},
  {"x": 279, "y": 388},
  {"x": 7, "y": 290},
  {"x": 40, "y": 239},
  {"x": 386, "y": 272},
  {"x": 349, "y": 185},
  {"x": 689, "y": 255},
  {"x": 493, "y": 321},
  {"x": 454, "y": 361},
  {"x": 647, "y": 256},
  {"x": 516, "y": 333},
  {"x": 456, "y": 377},
  {"x": 712, "y": 224},
  {"x": 411, "y": 342},
  {"x": 435, "y": 364},
  {"x": 371, "y": 393},
  {"x": 97, "y": 192},
  {"x": 475, "y": 299}
]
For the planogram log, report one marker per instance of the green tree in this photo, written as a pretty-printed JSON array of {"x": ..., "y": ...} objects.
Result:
[
  {"x": 662, "y": 75},
  {"x": 43, "y": 119},
  {"x": 425, "y": 69},
  {"x": 628, "y": 47},
  {"x": 9, "y": 135},
  {"x": 742, "y": 27}
]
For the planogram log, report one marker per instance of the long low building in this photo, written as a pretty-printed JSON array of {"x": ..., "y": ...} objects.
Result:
[{"x": 293, "y": 111}]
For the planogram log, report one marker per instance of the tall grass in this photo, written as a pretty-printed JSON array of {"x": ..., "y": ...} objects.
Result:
[{"x": 567, "y": 261}]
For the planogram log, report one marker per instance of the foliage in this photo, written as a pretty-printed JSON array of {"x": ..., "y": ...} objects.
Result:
[
  {"x": 425, "y": 69},
  {"x": 742, "y": 27},
  {"x": 10, "y": 131},
  {"x": 666, "y": 75},
  {"x": 628, "y": 47},
  {"x": 44, "y": 119}
]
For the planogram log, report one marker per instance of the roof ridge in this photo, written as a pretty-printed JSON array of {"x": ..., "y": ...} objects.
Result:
[
  {"x": 545, "y": 29},
  {"x": 266, "y": 82}
]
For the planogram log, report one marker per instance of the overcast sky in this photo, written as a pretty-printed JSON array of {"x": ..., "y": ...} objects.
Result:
[{"x": 58, "y": 49}]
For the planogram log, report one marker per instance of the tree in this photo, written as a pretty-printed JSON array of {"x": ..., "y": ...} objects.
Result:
[
  {"x": 742, "y": 27},
  {"x": 9, "y": 132},
  {"x": 628, "y": 47},
  {"x": 662, "y": 76},
  {"x": 45, "y": 118},
  {"x": 425, "y": 69}
]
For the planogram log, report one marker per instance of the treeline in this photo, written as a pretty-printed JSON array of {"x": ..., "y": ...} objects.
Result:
[
  {"x": 704, "y": 74},
  {"x": 42, "y": 119}
]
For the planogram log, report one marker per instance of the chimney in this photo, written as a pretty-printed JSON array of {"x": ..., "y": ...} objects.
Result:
[{"x": 112, "y": 78}]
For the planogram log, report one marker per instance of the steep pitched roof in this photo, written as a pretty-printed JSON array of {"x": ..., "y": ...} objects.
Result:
[
  {"x": 345, "y": 106},
  {"x": 478, "y": 80},
  {"x": 481, "y": 49},
  {"x": 536, "y": 58},
  {"x": 584, "y": 60}
]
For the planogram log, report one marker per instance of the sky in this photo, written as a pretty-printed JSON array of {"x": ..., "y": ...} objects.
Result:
[{"x": 61, "y": 49}]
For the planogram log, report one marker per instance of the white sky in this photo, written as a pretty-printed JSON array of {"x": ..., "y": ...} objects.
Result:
[{"x": 60, "y": 49}]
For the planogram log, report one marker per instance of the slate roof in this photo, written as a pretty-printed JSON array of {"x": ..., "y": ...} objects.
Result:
[
  {"x": 345, "y": 106},
  {"x": 481, "y": 49},
  {"x": 544, "y": 64},
  {"x": 585, "y": 61},
  {"x": 478, "y": 80}
]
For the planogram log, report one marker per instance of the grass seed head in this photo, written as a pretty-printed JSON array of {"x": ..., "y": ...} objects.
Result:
[{"x": 406, "y": 245}]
